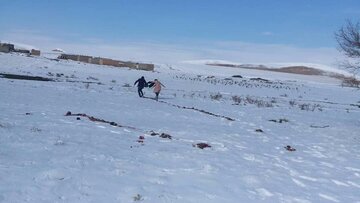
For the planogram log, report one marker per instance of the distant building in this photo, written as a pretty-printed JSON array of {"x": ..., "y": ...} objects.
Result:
[
  {"x": 82, "y": 58},
  {"x": 35, "y": 52},
  {"x": 128, "y": 64},
  {"x": 6, "y": 48},
  {"x": 110, "y": 62},
  {"x": 68, "y": 57},
  {"x": 146, "y": 66},
  {"x": 24, "y": 51},
  {"x": 85, "y": 59},
  {"x": 107, "y": 62}
]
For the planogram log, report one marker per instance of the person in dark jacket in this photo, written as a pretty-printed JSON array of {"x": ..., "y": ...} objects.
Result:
[{"x": 141, "y": 83}]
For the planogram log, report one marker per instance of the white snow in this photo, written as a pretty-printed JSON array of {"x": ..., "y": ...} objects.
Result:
[{"x": 48, "y": 157}]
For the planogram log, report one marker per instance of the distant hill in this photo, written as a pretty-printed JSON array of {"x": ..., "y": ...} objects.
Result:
[{"x": 296, "y": 69}]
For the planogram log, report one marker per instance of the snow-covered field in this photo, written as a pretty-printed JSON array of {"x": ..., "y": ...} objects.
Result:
[
  {"x": 319, "y": 67},
  {"x": 46, "y": 156}
]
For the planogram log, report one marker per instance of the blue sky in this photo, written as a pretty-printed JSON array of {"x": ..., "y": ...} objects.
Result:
[{"x": 303, "y": 24}]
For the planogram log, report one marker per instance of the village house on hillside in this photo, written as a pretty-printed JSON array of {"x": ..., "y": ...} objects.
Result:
[
  {"x": 7, "y": 48},
  {"x": 35, "y": 52},
  {"x": 108, "y": 62}
]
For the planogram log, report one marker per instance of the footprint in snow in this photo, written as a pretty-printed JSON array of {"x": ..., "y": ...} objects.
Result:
[
  {"x": 339, "y": 183},
  {"x": 253, "y": 181},
  {"x": 327, "y": 164},
  {"x": 328, "y": 197},
  {"x": 353, "y": 184},
  {"x": 352, "y": 169},
  {"x": 218, "y": 146},
  {"x": 252, "y": 158},
  {"x": 298, "y": 182},
  {"x": 115, "y": 132},
  {"x": 264, "y": 193},
  {"x": 308, "y": 178},
  {"x": 50, "y": 175}
]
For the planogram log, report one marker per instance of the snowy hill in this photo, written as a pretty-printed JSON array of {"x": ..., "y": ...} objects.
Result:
[
  {"x": 75, "y": 132},
  {"x": 292, "y": 68}
]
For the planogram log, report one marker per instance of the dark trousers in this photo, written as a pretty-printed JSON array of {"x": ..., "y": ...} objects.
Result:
[
  {"x": 157, "y": 95},
  {"x": 141, "y": 93}
]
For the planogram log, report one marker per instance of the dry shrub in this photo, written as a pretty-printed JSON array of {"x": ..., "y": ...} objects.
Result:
[
  {"x": 216, "y": 96},
  {"x": 351, "y": 82}
]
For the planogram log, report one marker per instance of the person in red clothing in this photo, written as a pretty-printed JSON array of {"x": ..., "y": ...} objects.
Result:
[{"x": 157, "y": 88}]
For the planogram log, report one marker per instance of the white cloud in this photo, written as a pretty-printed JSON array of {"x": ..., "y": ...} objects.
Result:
[{"x": 267, "y": 33}]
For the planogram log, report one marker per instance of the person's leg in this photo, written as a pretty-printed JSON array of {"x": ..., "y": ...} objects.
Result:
[
  {"x": 156, "y": 96},
  {"x": 140, "y": 92}
]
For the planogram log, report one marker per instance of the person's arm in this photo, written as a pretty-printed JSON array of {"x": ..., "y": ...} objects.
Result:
[
  {"x": 145, "y": 83},
  {"x": 162, "y": 84},
  {"x": 136, "y": 82},
  {"x": 150, "y": 83}
]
